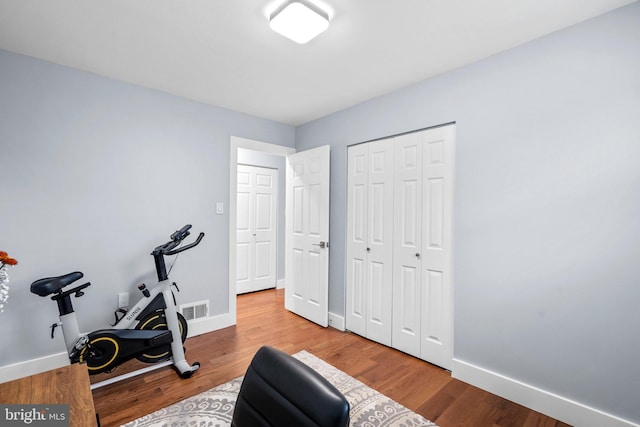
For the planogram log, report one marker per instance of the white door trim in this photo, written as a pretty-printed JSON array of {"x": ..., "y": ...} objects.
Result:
[{"x": 235, "y": 143}]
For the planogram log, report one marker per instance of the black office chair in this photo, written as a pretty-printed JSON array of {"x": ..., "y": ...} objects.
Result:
[{"x": 280, "y": 391}]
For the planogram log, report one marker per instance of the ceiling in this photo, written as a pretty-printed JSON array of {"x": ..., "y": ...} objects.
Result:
[{"x": 222, "y": 52}]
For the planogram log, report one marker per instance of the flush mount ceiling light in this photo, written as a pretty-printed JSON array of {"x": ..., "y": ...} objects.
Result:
[{"x": 299, "y": 20}]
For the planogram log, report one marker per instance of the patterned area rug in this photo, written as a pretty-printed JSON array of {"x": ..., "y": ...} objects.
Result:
[{"x": 214, "y": 408}]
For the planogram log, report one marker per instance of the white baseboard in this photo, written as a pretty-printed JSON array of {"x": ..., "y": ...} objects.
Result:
[
  {"x": 34, "y": 366},
  {"x": 210, "y": 324},
  {"x": 336, "y": 321},
  {"x": 46, "y": 363},
  {"x": 280, "y": 284},
  {"x": 550, "y": 404}
]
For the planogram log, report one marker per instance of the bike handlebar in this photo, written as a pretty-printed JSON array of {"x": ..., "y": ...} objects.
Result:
[
  {"x": 177, "y": 238},
  {"x": 189, "y": 246}
]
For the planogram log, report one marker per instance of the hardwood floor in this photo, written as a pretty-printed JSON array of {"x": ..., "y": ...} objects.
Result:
[{"x": 262, "y": 320}]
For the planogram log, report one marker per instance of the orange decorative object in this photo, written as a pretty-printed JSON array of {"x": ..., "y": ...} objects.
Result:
[{"x": 5, "y": 259}]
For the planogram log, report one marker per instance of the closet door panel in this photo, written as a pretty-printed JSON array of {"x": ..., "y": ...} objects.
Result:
[
  {"x": 376, "y": 300},
  {"x": 357, "y": 217},
  {"x": 380, "y": 241},
  {"x": 406, "y": 310},
  {"x": 264, "y": 229},
  {"x": 407, "y": 244},
  {"x": 432, "y": 325},
  {"x": 437, "y": 298}
]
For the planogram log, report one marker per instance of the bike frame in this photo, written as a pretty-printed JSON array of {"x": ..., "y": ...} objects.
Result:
[
  {"x": 155, "y": 299},
  {"x": 150, "y": 304},
  {"x": 144, "y": 306}
]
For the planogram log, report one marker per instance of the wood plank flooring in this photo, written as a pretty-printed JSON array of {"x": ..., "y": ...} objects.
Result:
[{"x": 262, "y": 320}]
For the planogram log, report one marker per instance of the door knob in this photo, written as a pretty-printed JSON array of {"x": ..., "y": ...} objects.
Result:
[
  {"x": 418, "y": 255},
  {"x": 321, "y": 244},
  {"x": 368, "y": 249}
]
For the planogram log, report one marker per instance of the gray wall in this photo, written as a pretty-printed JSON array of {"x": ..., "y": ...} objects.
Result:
[
  {"x": 547, "y": 205},
  {"x": 547, "y": 210},
  {"x": 95, "y": 174}
]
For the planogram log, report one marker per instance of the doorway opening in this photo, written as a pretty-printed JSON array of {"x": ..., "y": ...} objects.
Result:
[{"x": 240, "y": 147}]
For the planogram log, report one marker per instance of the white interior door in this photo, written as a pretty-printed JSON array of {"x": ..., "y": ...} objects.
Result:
[
  {"x": 370, "y": 240},
  {"x": 423, "y": 239},
  {"x": 380, "y": 242},
  {"x": 437, "y": 241},
  {"x": 357, "y": 194},
  {"x": 256, "y": 215},
  {"x": 307, "y": 235},
  {"x": 407, "y": 272}
]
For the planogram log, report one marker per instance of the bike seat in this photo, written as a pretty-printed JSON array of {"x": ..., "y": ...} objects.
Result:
[{"x": 49, "y": 285}]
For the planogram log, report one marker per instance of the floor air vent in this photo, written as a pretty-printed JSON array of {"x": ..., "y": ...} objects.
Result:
[{"x": 195, "y": 310}]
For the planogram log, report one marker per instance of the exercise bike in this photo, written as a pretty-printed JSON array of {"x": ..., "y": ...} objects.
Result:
[{"x": 151, "y": 331}]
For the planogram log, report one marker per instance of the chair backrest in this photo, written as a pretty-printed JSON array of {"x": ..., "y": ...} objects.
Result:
[{"x": 279, "y": 390}]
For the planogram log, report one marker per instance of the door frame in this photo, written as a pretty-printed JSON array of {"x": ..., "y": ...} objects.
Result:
[{"x": 249, "y": 144}]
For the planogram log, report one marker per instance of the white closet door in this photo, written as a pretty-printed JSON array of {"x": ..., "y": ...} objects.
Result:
[
  {"x": 357, "y": 217},
  {"x": 380, "y": 241},
  {"x": 437, "y": 268},
  {"x": 407, "y": 272},
  {"x": 399, "y": 243},
  {"x": 370, "y": 240},
  {"x": 256, "y": 229}
]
